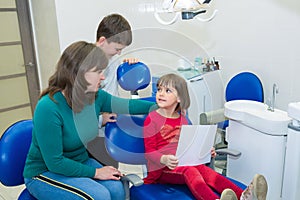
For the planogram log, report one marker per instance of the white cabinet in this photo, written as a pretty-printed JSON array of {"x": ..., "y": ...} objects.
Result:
[
  {"x": 261, "y": 153},
  {"x": 206, "y": 93}
]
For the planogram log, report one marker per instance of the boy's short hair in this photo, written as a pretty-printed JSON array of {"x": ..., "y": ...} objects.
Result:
[{"x": 115, "y": 28}]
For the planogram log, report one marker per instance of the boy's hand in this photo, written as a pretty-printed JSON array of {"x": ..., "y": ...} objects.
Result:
[
  {"x": 170, "y": 161},
  {"x": 108, "y": 117},
  {"x": 131, "y": 60}
]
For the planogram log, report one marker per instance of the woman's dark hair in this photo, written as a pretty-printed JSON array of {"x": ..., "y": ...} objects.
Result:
[
  {"x": 76, "y": 60},
  {"x": 115, "y": 28}
]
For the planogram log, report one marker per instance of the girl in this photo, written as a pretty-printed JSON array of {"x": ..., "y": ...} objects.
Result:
[{"x": 161, "y": 135}]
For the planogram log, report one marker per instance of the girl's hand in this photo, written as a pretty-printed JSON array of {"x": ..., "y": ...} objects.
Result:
[
  {"x": 107, "y": 173},
  {"x": 131, "y": 60},
  {"x": 213, "y": 152},
  {"x": 170, "y": 161}
]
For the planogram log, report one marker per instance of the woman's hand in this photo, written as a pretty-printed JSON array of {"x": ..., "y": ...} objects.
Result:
[
  {"x": 213, "y": 152},
  {"x": 108, "y": 117},
  {"x": 170, "y": 161},
  {"x": 131, "y": 60},
  {"x": 107, "y": 173}
]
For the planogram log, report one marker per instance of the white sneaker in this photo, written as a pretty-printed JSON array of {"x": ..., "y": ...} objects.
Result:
[
  {"x": 256, "y": 190},
  {"x": 228, "y": 194}
]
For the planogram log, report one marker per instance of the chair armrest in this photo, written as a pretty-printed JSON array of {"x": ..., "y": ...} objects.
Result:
[
  {"x": 133, "y": 179},
  {"x": 230, "y": 152},
  {"x": 212, "y": 117}
]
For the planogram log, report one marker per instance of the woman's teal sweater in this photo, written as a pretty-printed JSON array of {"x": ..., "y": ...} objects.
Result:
[{"x": 59, "y": 135}]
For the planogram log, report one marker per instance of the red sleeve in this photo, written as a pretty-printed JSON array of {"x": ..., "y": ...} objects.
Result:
[{"x": 151, "y": 133}]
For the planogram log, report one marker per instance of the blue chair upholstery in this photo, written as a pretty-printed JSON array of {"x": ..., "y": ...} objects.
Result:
[
  {"x": 244, "y": 85},
  {"x": 124, "y": 142},
  {"x": 134, "y": 77},
  {"x": 165, "y": 191},
  {"x": 14, "y": 146}
]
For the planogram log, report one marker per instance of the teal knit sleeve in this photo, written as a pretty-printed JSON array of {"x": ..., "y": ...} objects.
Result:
[{"x": 119, "y": 105}]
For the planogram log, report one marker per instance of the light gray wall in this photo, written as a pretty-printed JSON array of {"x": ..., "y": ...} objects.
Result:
[{"x": 257, "y": 36}]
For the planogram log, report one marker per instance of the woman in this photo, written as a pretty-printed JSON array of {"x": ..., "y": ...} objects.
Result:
[{"x": 65, "y": 119}]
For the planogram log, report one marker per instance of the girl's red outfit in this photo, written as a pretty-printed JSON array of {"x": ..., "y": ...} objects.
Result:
[{"x": 161, "y": 137}]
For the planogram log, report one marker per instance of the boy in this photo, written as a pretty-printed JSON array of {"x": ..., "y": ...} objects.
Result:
[{"x": 113, "y": 35}]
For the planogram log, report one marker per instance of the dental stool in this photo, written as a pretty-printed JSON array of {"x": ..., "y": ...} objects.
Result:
[
  {"x": 242, "y": 86},
  {"x": 14, "y": 146},
  {"x": 124, "y": 143}
]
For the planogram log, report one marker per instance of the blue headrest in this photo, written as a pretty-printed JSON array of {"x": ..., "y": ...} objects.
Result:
[
  {"x": 132, "y": 77},
  {"x": 245, "y": 85},
  {"x": 124, "y": 139},
  {"x": 14, "y": 146}
]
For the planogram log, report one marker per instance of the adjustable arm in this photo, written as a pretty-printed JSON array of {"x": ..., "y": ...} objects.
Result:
[
  {"x": 133, "y": 179},
  {"x": 230, "y": 152},
  {"x": 212, "y": 117}
]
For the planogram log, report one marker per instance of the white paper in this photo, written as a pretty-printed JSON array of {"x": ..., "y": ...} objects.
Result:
[{"x": 195, "y": 143}]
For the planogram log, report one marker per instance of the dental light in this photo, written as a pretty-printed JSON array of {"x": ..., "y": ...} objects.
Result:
[{"x": 188, "y": 9}]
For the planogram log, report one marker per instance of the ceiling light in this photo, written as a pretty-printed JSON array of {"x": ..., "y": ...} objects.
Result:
[{"x": 188, "y": 9}]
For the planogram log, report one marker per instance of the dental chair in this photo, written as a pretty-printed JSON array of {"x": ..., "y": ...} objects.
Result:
[
  {"x": 242, "y": 86},
  {"x": 124, "y": 143},
  {"x": 14, "y": 146},
  {"x": 132, "y": 78}
]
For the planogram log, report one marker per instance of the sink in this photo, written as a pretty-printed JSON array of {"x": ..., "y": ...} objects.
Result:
[
  {"x": 257, "y": 116},
  {"x": 294, "y": 110}
]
